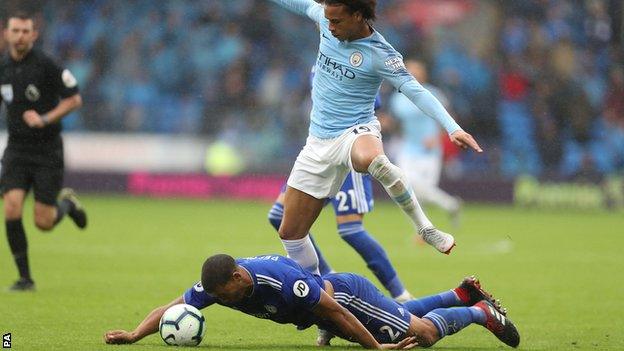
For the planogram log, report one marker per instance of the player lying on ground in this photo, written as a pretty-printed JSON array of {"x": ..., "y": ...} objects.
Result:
[{"x": 350, "y": 306}]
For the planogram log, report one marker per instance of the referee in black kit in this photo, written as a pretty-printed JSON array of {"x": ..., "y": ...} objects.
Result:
[{"x": 37, "y": 93}]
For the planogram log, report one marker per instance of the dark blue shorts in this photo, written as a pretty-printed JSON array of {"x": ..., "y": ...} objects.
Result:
[
  {"x": 384, "y": 318},
  {"x": 355, "y": 196}
]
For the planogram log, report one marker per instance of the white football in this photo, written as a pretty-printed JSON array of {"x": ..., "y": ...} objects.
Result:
[{"x": 182, "y": 325}]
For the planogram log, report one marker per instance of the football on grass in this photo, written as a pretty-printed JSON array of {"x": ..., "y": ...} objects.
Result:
[{"x": 182, "y": 325}]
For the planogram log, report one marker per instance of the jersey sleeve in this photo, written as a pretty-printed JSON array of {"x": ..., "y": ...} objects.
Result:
[
  {"x": 197, "y": 297},
  {"x": 62, "y": 80},
  {"x": 303, "y": 291},
  {"x": 389, "y": 65},
  {"x": 309, "y": 8}
]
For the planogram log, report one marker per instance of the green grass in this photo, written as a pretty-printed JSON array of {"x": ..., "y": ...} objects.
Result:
[{"x": 558, "y": 272}]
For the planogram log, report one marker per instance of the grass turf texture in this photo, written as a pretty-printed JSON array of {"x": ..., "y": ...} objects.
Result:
[{"x": 558, "y": 272}]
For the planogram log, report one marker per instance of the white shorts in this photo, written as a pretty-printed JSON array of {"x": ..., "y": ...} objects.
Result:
[
  {"x": 323, "y": 164},
  {"x": 421, "y": 170}
]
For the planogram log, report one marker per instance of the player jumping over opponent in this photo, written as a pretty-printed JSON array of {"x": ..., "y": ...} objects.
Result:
[{"x": 352, "y": 62}]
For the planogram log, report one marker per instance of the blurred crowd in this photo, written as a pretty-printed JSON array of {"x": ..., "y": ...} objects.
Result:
[{"x": 539, "y": 82}]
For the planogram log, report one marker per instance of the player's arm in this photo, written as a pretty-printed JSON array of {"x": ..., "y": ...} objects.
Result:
[
  {"x": 391, "y": 67},
  {"x": 329, "y": 309},
  {"x": 432, "y": 107},
  {"x": 65, "y": 86},
  {"x": 148, "y": 326},
  {"x": 307, "y": 8},
  {"x": 65, "y": 106}
]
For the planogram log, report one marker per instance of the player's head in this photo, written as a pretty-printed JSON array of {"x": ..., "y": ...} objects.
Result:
[
  {"x": 20, "y": 32},
  {"x": 418, "y": 69},
  {"x": 222, "y": 278},
  {"x": 348, "y": 17}
]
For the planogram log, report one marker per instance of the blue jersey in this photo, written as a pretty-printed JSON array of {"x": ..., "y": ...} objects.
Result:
[
  {"x": 348, "y": 77},
  {"x": 282, "y": 291},
  {"x": 355, "y": 195},
  {"x": 416, "y": 127},
  {"x": 286, "y": 293}
]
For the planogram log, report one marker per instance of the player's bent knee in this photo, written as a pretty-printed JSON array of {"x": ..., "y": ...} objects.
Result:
[
  {"x": 362, "y": 162},
  {"x": 44, "y": 224},
  {"x": 12, "y": 210}
]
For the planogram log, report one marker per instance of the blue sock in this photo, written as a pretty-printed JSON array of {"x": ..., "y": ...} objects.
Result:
[
  {"x": 449, "y": 321},
  {"x": 374, "y": 255},
  {"x": 421, "y": 306},
  {"x": 276, "y": 213},
  {"x": 275, "y": 218}
]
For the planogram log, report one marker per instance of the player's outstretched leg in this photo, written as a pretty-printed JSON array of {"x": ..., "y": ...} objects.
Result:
[
  {"x": 501, "y": 326},
  {"x": 276, "y": 213},
  {"x": 448, "y": 321},
  {"x": 393, "y": 180},
  {"x": 18, "y": 243},
  {"x": 468, "y": 293},
  {"x": 68, "y": 204}
]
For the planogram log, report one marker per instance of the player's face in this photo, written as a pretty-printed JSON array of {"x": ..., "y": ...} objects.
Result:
[
  {"x": 231, "y": 292},
  {"x": 20, "y": 34},
  {"x": 342, "y": 24}
]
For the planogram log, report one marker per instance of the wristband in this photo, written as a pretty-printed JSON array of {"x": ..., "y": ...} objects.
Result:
[{"x": 45, "y": 119}]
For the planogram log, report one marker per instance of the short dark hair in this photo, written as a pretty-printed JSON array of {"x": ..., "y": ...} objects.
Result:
[
  {"x": 23, "y": 15},
  {"x": 365, "y": 7},
  {"x": 216, "y": 271}
]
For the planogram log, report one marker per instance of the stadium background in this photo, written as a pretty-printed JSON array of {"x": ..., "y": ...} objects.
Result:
[
  {"x": 224, "y": 84},
  {"x": 209, "y": 99}
]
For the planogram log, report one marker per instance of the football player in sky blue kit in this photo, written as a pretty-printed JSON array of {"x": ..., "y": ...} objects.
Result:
[
  {"x": 352, "y": 62},
  {"x": 354, "y": 199},
  {"x": 277, "y": 288}
]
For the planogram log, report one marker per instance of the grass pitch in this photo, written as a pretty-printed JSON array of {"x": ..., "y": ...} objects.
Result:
[{"x": 558, "y": 272}]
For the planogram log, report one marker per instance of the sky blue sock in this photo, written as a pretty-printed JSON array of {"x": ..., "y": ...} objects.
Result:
[
  {"x": 374, "y": 255},
  {"x": 421, "y": 306},
  {"x": 449, "y": 321},
  {"x": 275, "y": 218}
]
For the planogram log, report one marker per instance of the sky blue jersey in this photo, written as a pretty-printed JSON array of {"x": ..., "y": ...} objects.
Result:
[
  {"x": 349, "y": 74},
  {"x": 282, "y": 291},
  {"x": 416, "y": 127}
]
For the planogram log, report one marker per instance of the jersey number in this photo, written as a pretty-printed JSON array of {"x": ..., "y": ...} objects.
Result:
[
  {"x": 361, "y": 129},
  {"x": 342, "y": 198},
  {"x": 387, "y": 329}
]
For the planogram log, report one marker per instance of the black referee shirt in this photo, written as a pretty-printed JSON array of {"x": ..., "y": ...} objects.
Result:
[{"x": 34, "y": 83}]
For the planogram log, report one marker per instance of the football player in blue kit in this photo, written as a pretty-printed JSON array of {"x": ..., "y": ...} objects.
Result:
[{"x": 350, "y": 306}]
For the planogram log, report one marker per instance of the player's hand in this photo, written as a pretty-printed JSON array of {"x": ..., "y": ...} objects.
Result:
[
  {"x": 33, "y": 119},
  {"x": 405, "y": 344},
  {"x": 118, "y": 337},
  {"x": 465, "y": 140}
]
